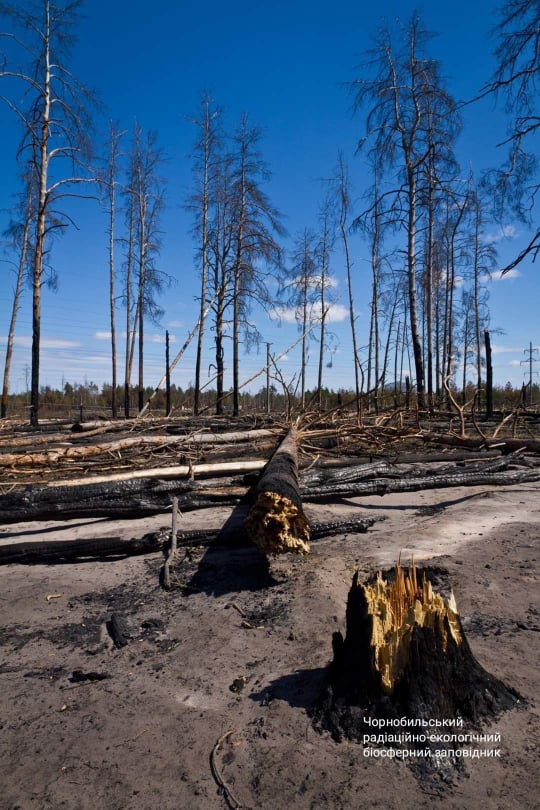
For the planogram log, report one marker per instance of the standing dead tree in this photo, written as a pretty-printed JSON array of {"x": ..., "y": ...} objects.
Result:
[
  {"x": 19, "y": 234},
  {"x": 55, "y": 126},
  {"x": 206, "y": 155},
  {"x": 408, "y": 112},
  {"x": 515, "y": 184},
  {"x": 109, "y": 184}
]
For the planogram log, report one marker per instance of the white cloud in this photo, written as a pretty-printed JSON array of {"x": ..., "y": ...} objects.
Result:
[
  {"x": 503, "y": 232},
  {"x": 25, "y": 342},
  {"x": 315, "y": 282},
  {"x": 161, "y": 338},
  {"x": 504, "y": 349},
  {"x": 102, "y": 335},
  {"x": 176, "y": 324},
  {"x": 335, "y": 313},
  {"x": 514, "y": 273}
]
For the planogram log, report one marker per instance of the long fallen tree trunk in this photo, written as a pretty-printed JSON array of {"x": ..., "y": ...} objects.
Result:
[
  {"x": 214, "y": 469},
  {"x": 276, "y": 522},
  {"x": 77, "y": 453},
  {"x": 112, "y": 548},
  {"x": 504, "y": 444},
  {"x": 277, "y": 515},
  {"x": 127, "y": 499},
  {"x": 384, "y": 486}
]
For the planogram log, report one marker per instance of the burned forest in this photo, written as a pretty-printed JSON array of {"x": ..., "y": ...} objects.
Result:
[{"x": 270, "y": 415}]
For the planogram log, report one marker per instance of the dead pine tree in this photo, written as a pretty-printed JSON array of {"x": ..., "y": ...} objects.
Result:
[
  {"x": 55, "y": 126},
  {"x": 342, "y": 194},
  {"x": 407, "y": 110},
  {"x": 255, "y": 251},
  {"x": 19, "y": 237},
  {"x": 205, "y": 157},
  {"x": 109, "y": 184}
]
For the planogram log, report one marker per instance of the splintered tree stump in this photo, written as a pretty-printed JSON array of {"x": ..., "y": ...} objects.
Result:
[
  {"x": 405, "y": 654},
  {"x": 276, "y": 522}
]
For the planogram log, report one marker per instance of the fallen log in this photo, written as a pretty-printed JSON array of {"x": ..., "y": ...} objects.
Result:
[
  {"x": 114, "y": 548},
  {"x": 64, "y": 551},
  {"x": 405, "y": 655},
  {"x": 163, "y": 473},
  {"x": 276, "y": 522},
  {"x": 352, "y": 473},
  {"x": 505, "y": 445},
  {"x": 144, "y": 496},
  {"x": 128, "y": 499},
  {"x": 384, "y": 486},
  {"x": 74, "y": 453}
]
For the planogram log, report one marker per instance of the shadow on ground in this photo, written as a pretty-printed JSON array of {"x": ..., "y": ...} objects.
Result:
[
  {"x": 299, "y": 689},
  {"x": 223, "y": 570}
]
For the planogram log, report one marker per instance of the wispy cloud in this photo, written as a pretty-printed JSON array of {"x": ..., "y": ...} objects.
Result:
[
  {"x": 505, "y": 349},
  {"x": 314, "y": 282},
  {"x": 514, "y": 273},
  {"x": 102, "y": 335},
  {"x": 503, "y": 232},
  {"x": 176, "y": 324},
  {"x": 161, "y": 338},
  {"x": 25, "y": 342},
  {"x": 336, "y": 313}
]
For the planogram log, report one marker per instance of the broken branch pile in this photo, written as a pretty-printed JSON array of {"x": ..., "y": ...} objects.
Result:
[{"x": 131, "y": 475}]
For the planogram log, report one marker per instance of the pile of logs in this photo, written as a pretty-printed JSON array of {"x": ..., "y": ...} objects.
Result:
[{"x": 55, "y": 482}]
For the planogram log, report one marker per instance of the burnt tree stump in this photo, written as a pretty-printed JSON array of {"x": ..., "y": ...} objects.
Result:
[{"x": 405, "y": 654}]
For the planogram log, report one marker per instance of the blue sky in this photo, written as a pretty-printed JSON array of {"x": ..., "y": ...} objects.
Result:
[{"x": 286, "y": 64}]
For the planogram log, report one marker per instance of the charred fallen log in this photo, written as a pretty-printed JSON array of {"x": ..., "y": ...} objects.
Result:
[
  {"x": 64, "y": 551},
  {"x": 341, "y": 475},
  {"x": 141, "y": 497},
  {"x": 405, "y": 654},
  {"x": 383, "y": 486},
  {"x": 123, "y": 499},
  {"x": 276, "y": 522},
  {"x": 112, "y": 548},
  {"x": 505, "y": 445}
]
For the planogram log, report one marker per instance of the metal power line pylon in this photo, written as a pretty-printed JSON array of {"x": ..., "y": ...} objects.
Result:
[{"x": 530, "y": 351}]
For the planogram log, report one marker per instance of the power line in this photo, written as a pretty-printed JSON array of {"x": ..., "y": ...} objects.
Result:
[{"x": 530, "y": 351}]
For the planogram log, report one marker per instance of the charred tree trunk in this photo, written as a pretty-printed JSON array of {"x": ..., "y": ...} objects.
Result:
[
  {"x": 489, "y": 377},
  {"x": 405, "y": 654},
  {"x": 62, "y": 551},
  {"x": 276, "y": 522}
]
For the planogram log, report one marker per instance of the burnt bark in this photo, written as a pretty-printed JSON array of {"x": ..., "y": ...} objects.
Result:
[
  {"x": 276, "y": 521},
  {"x": 441, "y": 679},
  {"x": 65, "y": 551},
  {"x": 231, "y": 535},
  {"x": 126, "y": 499}
]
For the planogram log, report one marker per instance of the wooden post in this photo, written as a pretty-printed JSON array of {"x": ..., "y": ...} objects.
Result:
[
  {"x": 489, "y": 376},
  {"x": 174, "y": 533},
  {"x": 268, "y": 378},
  {"x": 167, "y": 377}
]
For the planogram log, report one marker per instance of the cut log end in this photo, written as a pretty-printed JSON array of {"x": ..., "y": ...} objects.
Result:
[
  {"x": 405, "y": 654},
  {"x": 276, "y": 525}
]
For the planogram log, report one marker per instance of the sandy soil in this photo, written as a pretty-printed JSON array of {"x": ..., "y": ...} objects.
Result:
[{"x": 142, "y": 737}]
